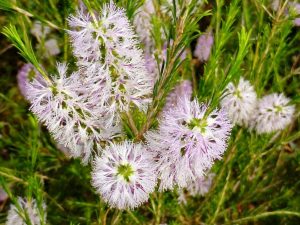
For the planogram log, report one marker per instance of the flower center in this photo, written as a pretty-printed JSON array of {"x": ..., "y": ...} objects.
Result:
[
  {"x": 200, "y": 124},
  {"x": 237, "y": 93},
  {"x": 277, "y": 108},
  {"x": 125, "y": 170}
]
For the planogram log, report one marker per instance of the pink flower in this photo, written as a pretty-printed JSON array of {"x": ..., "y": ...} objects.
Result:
[
  {"x": 183, "y": 89},
  {"x": 203, "y": 47},
  {"x": 26, "y": 74},
  {"x": 187, "y": 142}
]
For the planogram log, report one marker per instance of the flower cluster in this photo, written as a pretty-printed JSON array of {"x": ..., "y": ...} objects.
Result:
[
  {"x": 107, "y": 50},
  {"x": 271, "y": 113},
  {"x": 84, "y": 109},
  {"x": 26, "y": 210},
  {"x": 187, "y": 142},
  {"x": 65, "y": 106}
]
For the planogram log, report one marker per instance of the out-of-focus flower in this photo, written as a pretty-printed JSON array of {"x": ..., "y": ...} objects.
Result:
[
  {"x": 295, "y": 9},
  {"x": 39, "y": 30},
  {"x": 142, "y": 23},
  {"x": 273, "y": 113},
  {"x": 200, "y": 186},
  {"x": 3, "y": 195},
  {"x": 203, "y": 46},
  {"x": 183, "y": 89},
  {"x": 108, "y": 49},
  {"x": 187, "y": 142},
  {"x": 30, "y": 207},
  {"x": 26, "y": 74},
  {"x": 240, "y": 102},
  {"x": 124, "y": 175},
  {"x": 67, "y": 109},
  {"x": 52, "y": 48}
]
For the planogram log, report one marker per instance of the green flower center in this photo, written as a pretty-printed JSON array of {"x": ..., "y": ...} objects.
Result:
[
  {"x": 278, "y": 108},
  {"x": 126, "y": 171},
  {"x": 237, "y": 93},
  {"x": 200, "y": 124}
]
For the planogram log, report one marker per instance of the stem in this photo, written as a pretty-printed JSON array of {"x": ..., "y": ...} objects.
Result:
[
  {"x": 154, "y": 107},
  {"x": 132, "y": 124},
  {"x": 221, "y": 199},
  {"x": 266, "y": 214}
]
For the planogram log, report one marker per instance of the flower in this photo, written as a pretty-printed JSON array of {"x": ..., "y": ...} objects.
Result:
[
  {"x": 239, "y": 101},
  {"x": 3, "y": 195},
  {"x": 200, "y": 186},
  {"x": 68, "y": 110},
  {"x": 107, "y": 48},
  {"x": 52, "y": 47},
  {"x": 292, "y": 9},
  {"x": 203, "y": 46},
  {"x": 29, "y": 207},
  {"x": 124, "y": 175},
  {"x": 25, "y": 75},
  {"x": 39, "y": 30},
  {"x": 183, "y": 89},
  {"x": 142, "y": 23},
  {"x": 295, "y": 8},
  {"x": 273, "y": 113},
  {"x": 187, "y": 142}
]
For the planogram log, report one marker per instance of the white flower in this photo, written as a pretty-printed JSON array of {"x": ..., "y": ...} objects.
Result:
[
  {"x": 240, "y": 101},
  {"x": 273, "y": 113},
  {"x": 29, "y": 207},
  {"x": 67, "y": 108},
  {"x": 52, "y": 48},
  {"x": 39, "y": 30},
  {"x": 124, "y": 175},
  {"x": 188, "y": 142},
  {"x": 108, "y": 49}
]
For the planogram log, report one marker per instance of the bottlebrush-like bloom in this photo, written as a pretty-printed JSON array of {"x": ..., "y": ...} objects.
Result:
[
  {"x": 124, "y": 175},
  {"x": 273, "y": 113},
  {"x": 183, "y": 89},
  {"x": 203, "y": 46},
  {"x": 67, "y": 109},
  {"x": 142, "y": 23},
  {"x": 25, "y": 75},
  {"x": 16, "y": 217},
  {"x": 187, "y": 142},
  {"x": 200, "y": 186},
  {"x": 108, "y": 49},
  {"x": 240, "y": 101}
]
